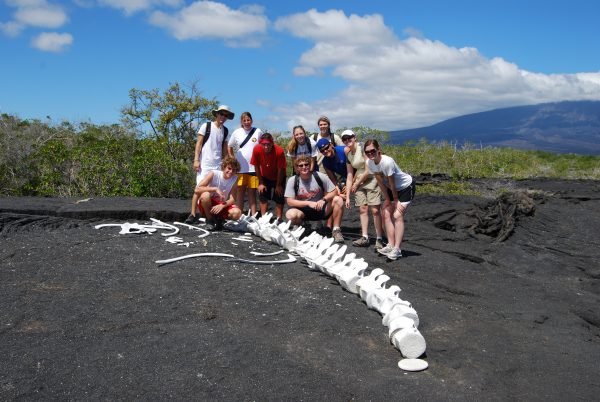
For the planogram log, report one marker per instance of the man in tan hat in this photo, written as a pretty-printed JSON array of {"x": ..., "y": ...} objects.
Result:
[{"x": 212, "y": 144}]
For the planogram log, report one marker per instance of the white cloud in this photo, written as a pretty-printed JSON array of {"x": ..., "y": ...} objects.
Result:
[
  {"x": 133, "y": 6},
  {"x": 207, "y": 19},
  {"x": 395, "y": 84},
  {"x": 33, "y": 13},
  {"x": 52, "y": 41}
]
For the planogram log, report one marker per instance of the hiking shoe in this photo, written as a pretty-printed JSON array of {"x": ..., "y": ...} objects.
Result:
[
  {"x": 385, "y": 250},
  {"x": 394, "y": 254},
  {"x": 362, "y": 242},
  {"x": 190, "y": 220},
  {"x": 337, "y": 236},
  {"x": 378, "y": 244},
  {"x": 211, "y": 226},
  {"x": 219, "y": 224}
]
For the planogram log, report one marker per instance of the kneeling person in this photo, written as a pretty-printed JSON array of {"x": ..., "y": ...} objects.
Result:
[
  {"x": 214, "y": 196},
  {"x": 312, "y": 196}
]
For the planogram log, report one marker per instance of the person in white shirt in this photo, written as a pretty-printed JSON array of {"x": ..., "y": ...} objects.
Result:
[
  {"x": 241, "y": 143},
  {"x": 211, "y": 147},
  {"x": 213, "y": 197},
  {"x": 398, "y": 189}
]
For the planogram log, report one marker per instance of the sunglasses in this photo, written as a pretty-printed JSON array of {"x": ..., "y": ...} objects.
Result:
[
  {"x": 370, "y": 152},
  {"x": 303, "y": 165},
  {"x": 347, "y": 139}
]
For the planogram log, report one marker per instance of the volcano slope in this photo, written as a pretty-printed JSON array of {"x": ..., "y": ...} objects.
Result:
[{"x": 507, "y": 291}]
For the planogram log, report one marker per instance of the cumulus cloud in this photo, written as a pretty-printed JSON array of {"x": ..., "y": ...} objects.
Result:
[
  {"x": 33, "y": 13},
  {"x": 395, "y": 83},
  {"x": 52, "y": 41},
  {"x": 133, "y": 6},
  {"x": 207, "y": 19}
]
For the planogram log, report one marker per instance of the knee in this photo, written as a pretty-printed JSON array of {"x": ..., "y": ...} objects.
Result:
[
  {"x": 375, "y": 211},
  {"x": 363, "y": 209},
  {"x": 205, "y": 196},
  {"x": 338, "y": 201}
]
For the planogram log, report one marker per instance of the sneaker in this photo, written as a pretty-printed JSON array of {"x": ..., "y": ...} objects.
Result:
[
  {"x": 378, "y": 244},
  {"x": 190, "y": 220},
  {"x": 394, "y": 254},
  {"x": 337, "y": 236},
  {"x": 362, "y": 242},
  {"x": 211, "y": 226},
  {"x": 219, "y": 224},
  {"x": 385, "y": 250}
]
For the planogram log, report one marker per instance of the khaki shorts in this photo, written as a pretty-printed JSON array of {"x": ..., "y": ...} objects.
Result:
[
  {"x": 368, "y": 193},
  {"x": 247, "y": 179}
]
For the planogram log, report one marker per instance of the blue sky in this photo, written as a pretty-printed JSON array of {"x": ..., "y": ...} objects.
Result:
[{"x": 383, "y": 64}]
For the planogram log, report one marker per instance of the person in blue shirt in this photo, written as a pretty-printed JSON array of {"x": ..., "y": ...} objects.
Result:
[{"x": 334, "y": 162}]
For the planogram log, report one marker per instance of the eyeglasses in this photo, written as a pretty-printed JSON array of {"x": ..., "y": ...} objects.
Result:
[
  {"x": 370, "y": 152},
  {"x": 302, "y": 165}
]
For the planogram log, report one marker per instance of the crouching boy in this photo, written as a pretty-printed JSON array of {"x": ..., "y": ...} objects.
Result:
[
  {"x": 213, "y": 196},
  {"x": 312, "y": 196}
]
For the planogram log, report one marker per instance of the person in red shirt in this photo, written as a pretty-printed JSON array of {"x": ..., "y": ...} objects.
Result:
[{"x": 270, "y": 164}]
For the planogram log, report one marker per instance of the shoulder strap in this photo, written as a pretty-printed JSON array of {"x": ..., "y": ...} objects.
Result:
[
  {"x": 296, "y": 183},
  {"x": 248, "y": 137},
  {"x": 207, "y": 132},
  {"x": 319, "y": 181},
  {"x": 225, "y": 134},
  {"x": 308, "y": 145}
]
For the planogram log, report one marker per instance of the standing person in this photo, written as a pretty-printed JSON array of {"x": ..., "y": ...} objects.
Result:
[
  {"x": 302, "y": 144},
  {"x": 311, "y": 196},
  {"x": 214, "y": 195},
  {"x": 325, "y": 132},
  {"x": 270, "y": 164},
  {"x": 367, "y": 194},
  {"x": 212, "y": 143},
  {"x": 243, "y": 140},
  {"x": 398, "y": 190}
]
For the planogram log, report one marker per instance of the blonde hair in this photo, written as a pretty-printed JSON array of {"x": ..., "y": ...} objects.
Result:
[{"x": 292, "y": 146}]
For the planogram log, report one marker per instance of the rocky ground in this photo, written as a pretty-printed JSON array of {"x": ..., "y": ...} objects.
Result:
[{"x": 507, "y": 291}]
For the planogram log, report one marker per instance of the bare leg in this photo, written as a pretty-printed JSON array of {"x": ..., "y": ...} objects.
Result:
[
  {"x": 252, "y": 200},
  {"x": 239, "y": 196},
  {"x": 338, "y": 211},
  {"x": 295, "y": 216},
  {"x": 206, "y": 205},
  {"x": 376, "y": 212},
  {"x": 389, "y": 224},
  {"x": 399, "y": 225},
  {"x": 279, "y": 211},
  {"x": 364, "y": 219},
  {"x": 194, "y": 202}
]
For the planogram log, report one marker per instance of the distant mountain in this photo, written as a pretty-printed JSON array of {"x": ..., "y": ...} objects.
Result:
[{"x": 563, "y": 127}]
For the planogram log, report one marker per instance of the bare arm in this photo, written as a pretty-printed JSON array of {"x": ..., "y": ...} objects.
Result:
[{"x": 198, "y": 151}]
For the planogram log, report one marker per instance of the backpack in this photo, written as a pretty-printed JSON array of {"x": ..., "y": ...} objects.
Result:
[
  {"x": 317, "y": 178},
  {"x": 207, "y": 134}
]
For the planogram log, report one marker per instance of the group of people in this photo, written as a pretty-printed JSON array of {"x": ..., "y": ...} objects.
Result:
[{"x": 231, "y": 169}]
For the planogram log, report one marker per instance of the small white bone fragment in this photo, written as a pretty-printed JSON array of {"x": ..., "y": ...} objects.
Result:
[
  {"x": 204, "y": 231},
  {"x": 164, "y": 225},
  {"x": 242, "y": 239},
  {"x": 413, "y": 364},
  {"x": 184, "y": 257}
]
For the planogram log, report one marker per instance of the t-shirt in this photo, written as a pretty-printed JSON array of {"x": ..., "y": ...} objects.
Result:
[
  {"x": 212, "y": 149},
  {"x": 222, "y": 184},
  {"x": 243, "y": 155},
  {"x": 308, "y": 190},
  {"x": 388, "y": 167},
  {"x": 269, "y": 164},
  {"x": 303, "y": 149},
  {"x": 337, "y": 163}
]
